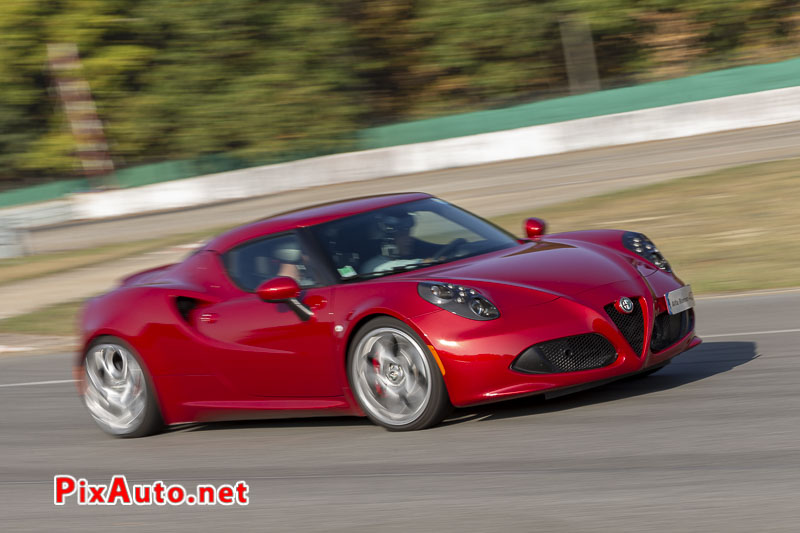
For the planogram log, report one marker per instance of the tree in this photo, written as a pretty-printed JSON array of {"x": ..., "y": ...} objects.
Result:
[
  {"x": 479, "y": 53},
  {"x": 264, "y": 81}
]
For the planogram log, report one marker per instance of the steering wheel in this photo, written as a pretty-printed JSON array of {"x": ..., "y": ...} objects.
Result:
[{"x": 445, "y": 251}]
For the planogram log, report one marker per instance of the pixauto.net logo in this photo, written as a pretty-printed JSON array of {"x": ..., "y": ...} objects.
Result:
[{"x": 119, "y": 492}]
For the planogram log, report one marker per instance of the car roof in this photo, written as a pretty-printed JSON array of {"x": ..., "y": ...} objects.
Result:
[{"x": 308, "y": 216}]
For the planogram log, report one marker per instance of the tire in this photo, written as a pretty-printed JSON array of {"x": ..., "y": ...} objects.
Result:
[
  {"x": 119, "y": 393},
  {"x": 394, "y": 377}
]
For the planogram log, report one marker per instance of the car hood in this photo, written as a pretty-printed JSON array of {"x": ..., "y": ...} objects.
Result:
[{"x": 559, "y": 268}]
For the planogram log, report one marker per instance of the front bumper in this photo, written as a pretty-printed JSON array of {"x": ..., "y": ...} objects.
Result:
[{"x": 477, "y": 356}]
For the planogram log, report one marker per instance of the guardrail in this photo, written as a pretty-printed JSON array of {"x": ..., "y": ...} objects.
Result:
[
  {"x": 669, "y": 122},
  {"x": 707, "y": 86}
]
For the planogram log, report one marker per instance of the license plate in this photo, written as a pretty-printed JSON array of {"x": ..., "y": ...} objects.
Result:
[{"x": 679, "y": 300}]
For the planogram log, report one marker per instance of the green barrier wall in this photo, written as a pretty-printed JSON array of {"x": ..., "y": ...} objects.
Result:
[
  {"x": 717, "y": 84},
  {"x": 175, "y": 170},
  {"x": 42, "y": 193}
]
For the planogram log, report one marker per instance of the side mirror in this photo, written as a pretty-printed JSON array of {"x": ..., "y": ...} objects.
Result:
[
  {"x": 284, "y": 289},
  {"x": 535, "y": 227},
  {"x": 278, "y": 289}
]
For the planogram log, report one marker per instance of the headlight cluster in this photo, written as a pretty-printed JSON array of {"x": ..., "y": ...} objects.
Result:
[
  {"x": 640, "y": 244},
  {"x": 463, "y": 301}
]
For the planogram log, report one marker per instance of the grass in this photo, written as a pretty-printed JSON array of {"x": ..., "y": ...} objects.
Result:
[
  {"x": 727, "y": 231},
  {"x": 58, "y": 319}
]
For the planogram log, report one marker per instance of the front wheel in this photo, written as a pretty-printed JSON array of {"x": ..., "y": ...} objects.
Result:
[
  {"x": 119, "y": 394},
  {"x": 395, "y": 378}
]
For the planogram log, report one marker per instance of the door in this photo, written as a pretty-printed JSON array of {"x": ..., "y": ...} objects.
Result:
[{"x": 267, "y": 349}]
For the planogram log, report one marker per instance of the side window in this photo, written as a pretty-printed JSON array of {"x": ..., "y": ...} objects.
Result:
[{"x": 254, "y": 262}]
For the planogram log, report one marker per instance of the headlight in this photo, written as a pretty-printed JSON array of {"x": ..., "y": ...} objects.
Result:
[
  {"x": 641, "y": 245},
  {"x": 458, "y": 299}
]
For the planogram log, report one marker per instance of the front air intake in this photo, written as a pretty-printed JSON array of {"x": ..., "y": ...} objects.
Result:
[
  {"x": 568, "y": 354},
  {"x": 669, "y": 329},
  {"x": 631, "y": 325}
]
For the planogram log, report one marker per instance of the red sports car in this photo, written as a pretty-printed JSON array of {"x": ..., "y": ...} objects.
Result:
[{"x": 396, "y": 307}]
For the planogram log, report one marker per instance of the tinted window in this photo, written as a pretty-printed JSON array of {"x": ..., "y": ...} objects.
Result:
[
  {"x": 406, "y": 236},
  {"x": 433, "y": 227},
  {"x": 254, "y": 262}
]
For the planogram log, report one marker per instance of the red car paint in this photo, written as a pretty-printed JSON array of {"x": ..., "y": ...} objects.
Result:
[{"x": 233, "y": 355}]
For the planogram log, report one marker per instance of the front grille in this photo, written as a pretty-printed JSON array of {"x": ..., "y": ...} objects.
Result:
[
  {"x": 630, "y": 325},
  {"x": 568, "y": 354},
  {"x": 669, "y": 329}
]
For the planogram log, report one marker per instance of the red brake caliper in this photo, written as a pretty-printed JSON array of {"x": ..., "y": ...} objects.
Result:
[{"x": 377, "y": 367}]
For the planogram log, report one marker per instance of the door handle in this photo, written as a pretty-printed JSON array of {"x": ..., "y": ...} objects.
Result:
[{"x": 209, "y": 318}]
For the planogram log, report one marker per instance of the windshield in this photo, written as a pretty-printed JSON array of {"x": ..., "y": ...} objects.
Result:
[{"x": 406, "y": 236}]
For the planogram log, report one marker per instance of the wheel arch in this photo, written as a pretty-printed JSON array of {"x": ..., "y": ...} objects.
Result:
[
  {"x": 359, "y": 324},
  {"x": 355, "y": 329}
]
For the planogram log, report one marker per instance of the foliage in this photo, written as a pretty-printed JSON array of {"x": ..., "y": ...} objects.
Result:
[{"x": 262, "y": 80}]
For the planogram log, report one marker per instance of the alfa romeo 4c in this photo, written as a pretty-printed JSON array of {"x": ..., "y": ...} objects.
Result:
[{"x": 396, "y": 307}]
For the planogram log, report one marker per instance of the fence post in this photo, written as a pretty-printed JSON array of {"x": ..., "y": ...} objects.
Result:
[
  {"x": 576, "y": 39},
  {"x": 76, "y": 98},
  {"x": 10, "y": 241}
]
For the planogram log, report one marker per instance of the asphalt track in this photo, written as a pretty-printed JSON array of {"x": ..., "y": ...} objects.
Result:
[
  {"x": 710, "y": 443},
  {"x": 495, "y": 189}
]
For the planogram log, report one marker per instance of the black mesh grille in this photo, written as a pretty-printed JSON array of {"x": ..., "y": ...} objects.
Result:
[
  {"x": 570, "y": 354},
  {"x": 631, "y": 325},
  {"x": 669, "y": 329}
]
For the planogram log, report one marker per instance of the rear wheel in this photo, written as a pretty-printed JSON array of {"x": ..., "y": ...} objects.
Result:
[
  {"x": 395, "y": 378},
  {"x": 119, "y": 393}
]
